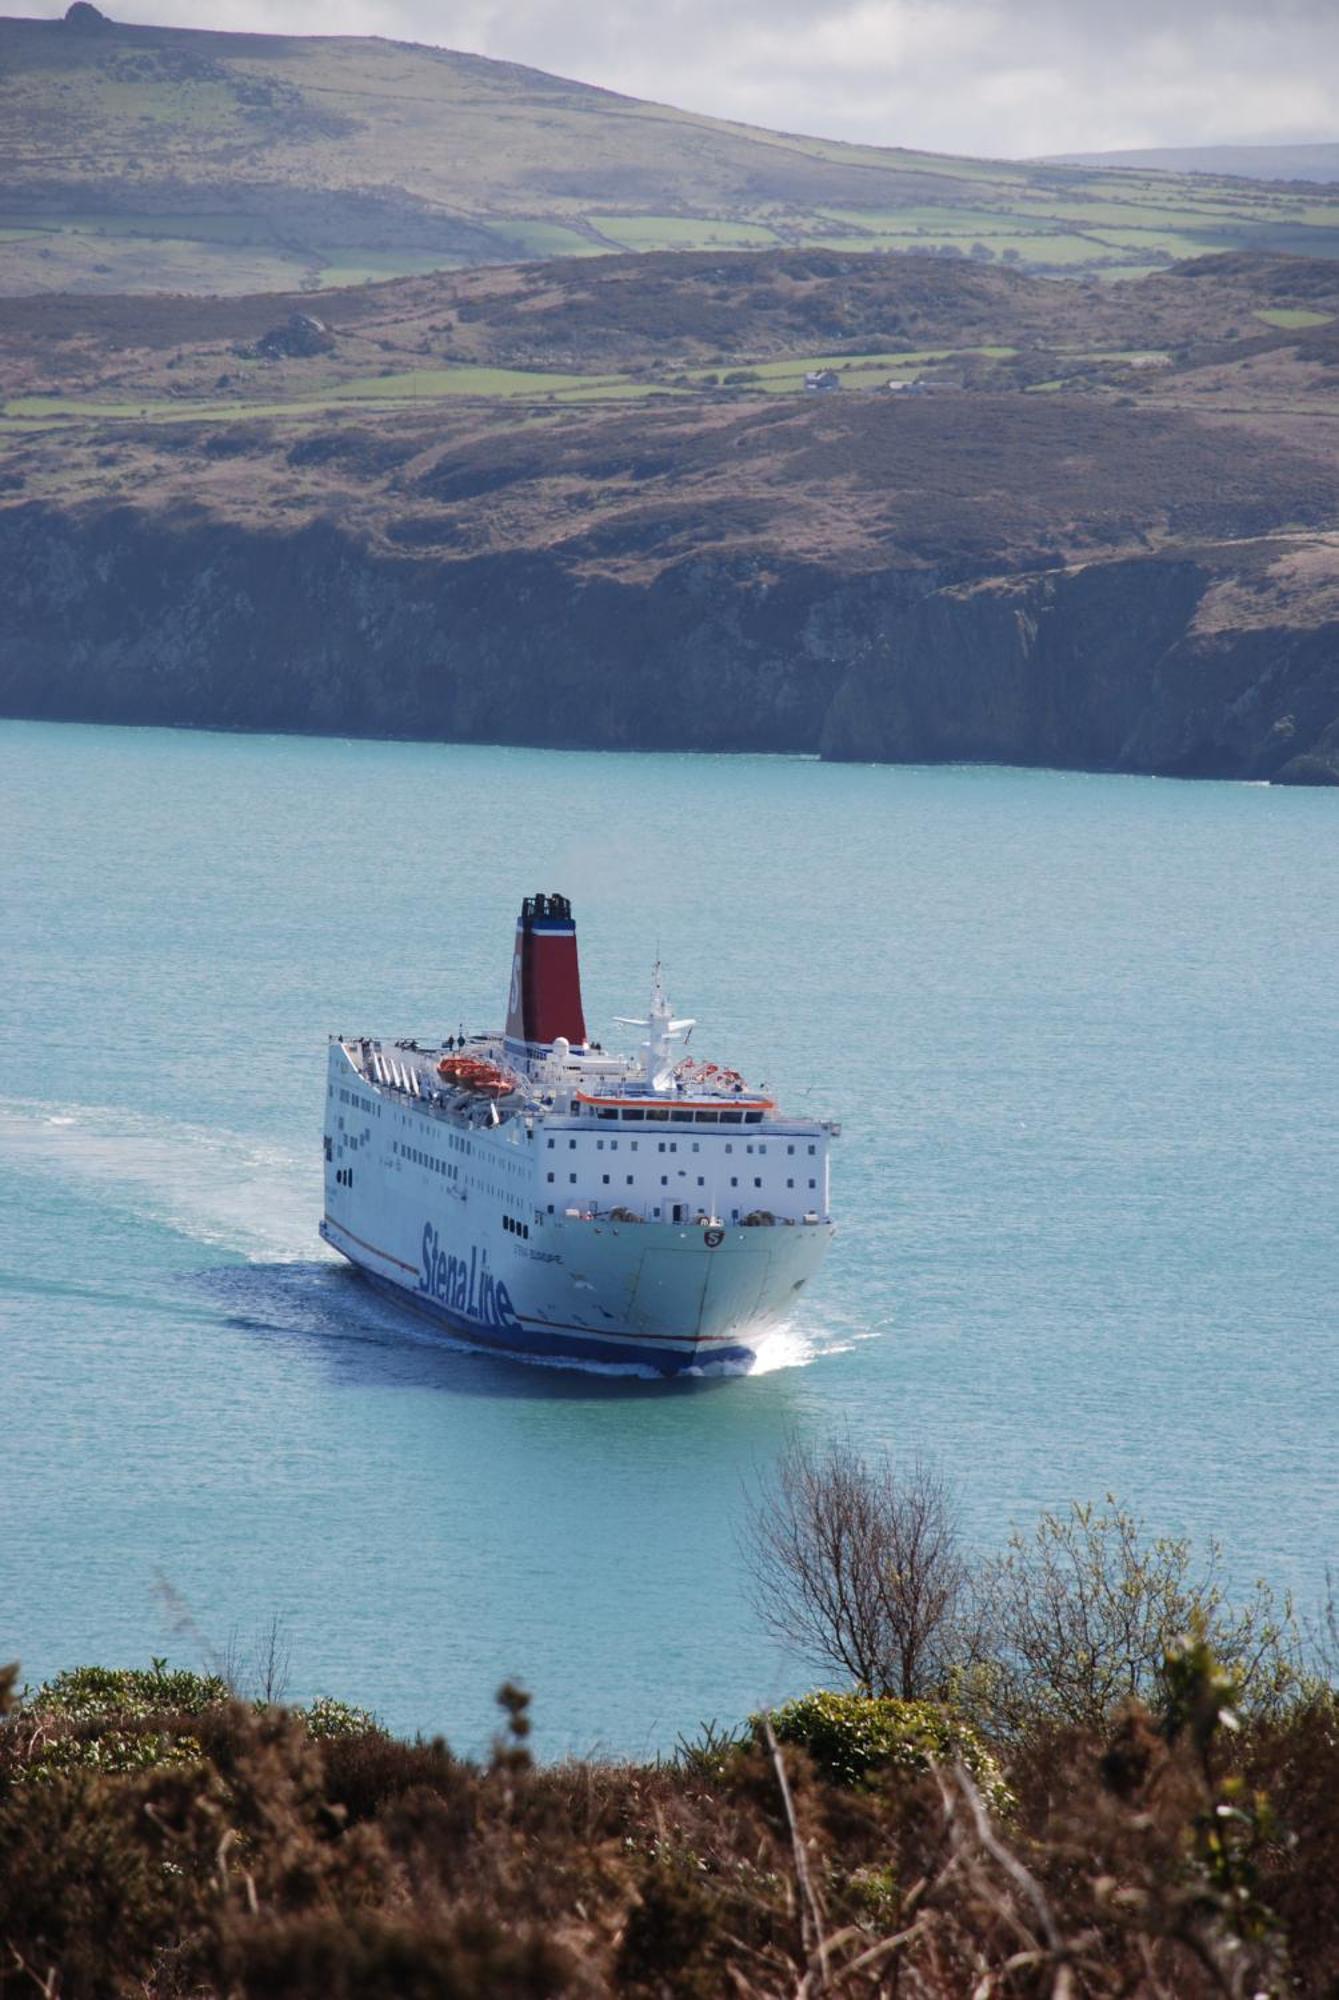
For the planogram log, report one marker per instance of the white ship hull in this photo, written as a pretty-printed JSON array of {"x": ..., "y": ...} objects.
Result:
[{"x": 662, "y": 1296}]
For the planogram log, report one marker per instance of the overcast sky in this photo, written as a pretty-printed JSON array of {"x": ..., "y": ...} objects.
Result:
[{"x": 1001, "y": 77}]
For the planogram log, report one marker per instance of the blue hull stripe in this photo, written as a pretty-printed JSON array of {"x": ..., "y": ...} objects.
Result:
[{"x": 532, "y": 1341}]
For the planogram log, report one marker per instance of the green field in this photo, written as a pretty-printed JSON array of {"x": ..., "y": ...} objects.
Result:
[
  {"x": 682, "y": 232},
  {"x": 409, "y": 388},
  {"x": 529, "y": 236},
  {"x": 1293, "y": 317},
  {"x": 151, "y": 159},
  {"x": 425, "y": 385},
  {"x": 373, "y": 269}
]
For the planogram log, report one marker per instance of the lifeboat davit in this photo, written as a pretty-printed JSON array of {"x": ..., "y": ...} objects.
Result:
[{"x": 473, "y": 1073}]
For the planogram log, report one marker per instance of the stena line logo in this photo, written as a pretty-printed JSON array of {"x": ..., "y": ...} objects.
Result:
[{"x": 464, "y": 1284}]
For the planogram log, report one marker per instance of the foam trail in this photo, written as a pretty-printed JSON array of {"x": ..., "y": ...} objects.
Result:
[
  {"x": 256, "y": 1200},
  {"x": 784, "y": 1347}
]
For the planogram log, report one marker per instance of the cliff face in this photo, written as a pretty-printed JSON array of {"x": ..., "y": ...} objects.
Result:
[
  {"x": 1101, "y": 668},
  {"x": 120, "y": 616}
]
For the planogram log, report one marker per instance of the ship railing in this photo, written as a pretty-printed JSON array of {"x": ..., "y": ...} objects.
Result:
[{"x": 629, "y": 1212}]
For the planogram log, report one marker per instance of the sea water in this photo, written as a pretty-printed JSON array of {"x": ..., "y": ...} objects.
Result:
[{"x": 1080, "y": 1033}]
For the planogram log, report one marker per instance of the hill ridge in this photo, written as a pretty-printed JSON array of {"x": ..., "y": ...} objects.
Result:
[{"x": 140, "y": 158}]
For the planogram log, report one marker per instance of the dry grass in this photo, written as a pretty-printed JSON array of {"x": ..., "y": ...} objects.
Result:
[{"x": 1164, "y": 1861}]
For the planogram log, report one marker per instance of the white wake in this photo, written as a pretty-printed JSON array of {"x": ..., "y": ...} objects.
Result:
[{"x": 258, "y": 1200}]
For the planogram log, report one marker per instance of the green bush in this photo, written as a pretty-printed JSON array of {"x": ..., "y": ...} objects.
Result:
[
  {"x": 114, "y": 1752},
  {"x": 328, "y": 1717},
  {"x": 83, "y": 1693},
  {"x": 853, "y": 1737},
  {"x": 91, "y": 1694}
]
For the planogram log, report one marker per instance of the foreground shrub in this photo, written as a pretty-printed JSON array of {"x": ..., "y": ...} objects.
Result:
[
  {"x": 83, "y": 1693},
  {"x": 115, "y": 1752},
  {"x": 1186, "y": 1855},
  {"x": 1293, "y": 1760},
  {"x": 1082, "y": 1613},
  {"x": 327, "y": 1717},
  {"x": 323, "y": 1955},
  {"x": 851, "y": 1737},
  {"x": 98, "y": 1872}
]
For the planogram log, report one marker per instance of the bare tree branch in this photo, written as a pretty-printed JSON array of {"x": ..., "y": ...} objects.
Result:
[{"x": 858, "y": 1567}]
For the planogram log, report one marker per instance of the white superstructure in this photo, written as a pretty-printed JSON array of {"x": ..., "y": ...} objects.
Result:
[{"x": 537, "y": 1195}]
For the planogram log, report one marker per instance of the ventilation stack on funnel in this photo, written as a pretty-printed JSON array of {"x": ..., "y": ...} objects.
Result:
[{"x": 545, "y": 1000}]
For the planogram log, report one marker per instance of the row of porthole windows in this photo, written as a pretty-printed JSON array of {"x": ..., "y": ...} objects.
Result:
[
  {"x": 362, "y": 1103},
  {"x": 421, "y": 1159},
  {"x": 667, "y": 1146},
  {"x": 514, "y": 1227},
  {"x": 678, "y": 1115},
  {"x": 677, "y": 1214},
  {"x": 344, "y": 1175},
  {"x": 664, "y": 1180}
]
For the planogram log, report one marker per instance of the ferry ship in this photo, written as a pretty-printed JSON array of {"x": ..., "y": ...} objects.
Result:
[{"x": 534, "y": 1194}]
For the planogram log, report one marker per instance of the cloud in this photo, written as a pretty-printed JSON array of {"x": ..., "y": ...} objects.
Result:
[{"x": 994, "y": 77}]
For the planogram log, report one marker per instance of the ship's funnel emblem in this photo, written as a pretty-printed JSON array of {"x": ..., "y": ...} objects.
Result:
[{"x": 545, "y": 997}]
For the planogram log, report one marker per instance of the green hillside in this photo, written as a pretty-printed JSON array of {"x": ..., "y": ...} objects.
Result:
[
  {"x": 140, "y": 159},
  {"x": 1318, "y": 161}
]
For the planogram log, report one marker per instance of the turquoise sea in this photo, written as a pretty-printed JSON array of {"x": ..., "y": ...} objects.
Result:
[{"x": 1081, "y": 1036}]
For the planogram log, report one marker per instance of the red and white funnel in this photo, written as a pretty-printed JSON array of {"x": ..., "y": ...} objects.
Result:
[{"x": 545, "y": 999}]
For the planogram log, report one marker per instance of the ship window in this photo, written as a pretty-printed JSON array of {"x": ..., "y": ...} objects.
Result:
[
  {"x": 757, "y": 1182},
  {"x": 605, "y": 1179},
  {"x": 790, "y": 1149},
  {"x": 696, "y": 1147},
  {"x": 599, "y": 1145},
  {"x": 634, "y": 1144},
  {"x": 629, "y": 1180},
  {"x": 762, "y": 1149},
  {"x": 707, "y": 1117},
  {"x": 790, "y": 1183},
  {"x": 728, "y": 1147},
  {"x": 660, "y": 1146},
  {"x": 674, "y": 1145},
  {"x": 700, "y": 1181},
  {"x": 550, "y": 1208},
  {"x": 634, "y": 1114},
  {"x": 811, "y": 1149},
  {"x": 813, "y": 1183},
  {"x": 748, "y": 1149},
  {"x": 572, "y": 1179},
  {"x": 734, "y": 1180},
  {"x": 571, "y": 1145},
  {"x": 550, "y": 1145},
  {"x": 664, "y": 1180},
  {"x": 659, "y": 1112},
  {"x": 753, "y": 1118},
  {"x": 550, "y": 1176},
  {"x": 731, "y": 1117},
  {"x": 613, "y": 1145}
]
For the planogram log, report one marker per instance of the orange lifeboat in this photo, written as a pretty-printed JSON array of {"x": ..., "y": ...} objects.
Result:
[{"x": 472, "y": 1073}]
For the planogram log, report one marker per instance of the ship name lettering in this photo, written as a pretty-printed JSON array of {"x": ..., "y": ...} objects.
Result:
[{"x": 466, "y": 1285}]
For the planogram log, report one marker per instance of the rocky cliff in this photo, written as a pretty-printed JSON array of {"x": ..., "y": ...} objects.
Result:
[{"x": 1216, "y": 663}]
